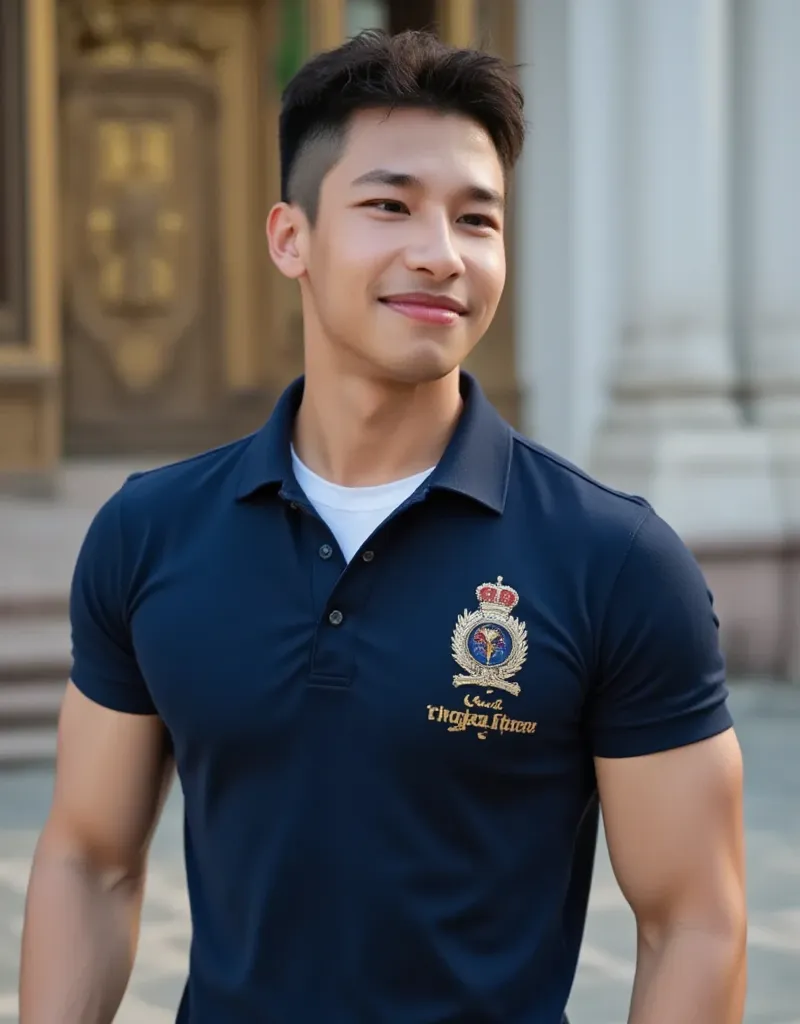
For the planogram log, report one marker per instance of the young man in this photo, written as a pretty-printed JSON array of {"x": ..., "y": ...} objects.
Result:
[{"x": 395, "y": 650}]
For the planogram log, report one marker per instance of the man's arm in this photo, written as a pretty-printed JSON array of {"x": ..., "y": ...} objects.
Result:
[
  {"x": 82, "y": 914},
  {"x": 674, "y": 826}
]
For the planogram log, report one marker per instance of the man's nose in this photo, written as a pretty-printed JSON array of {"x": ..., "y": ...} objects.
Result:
[{"x": 434, "y": 250}]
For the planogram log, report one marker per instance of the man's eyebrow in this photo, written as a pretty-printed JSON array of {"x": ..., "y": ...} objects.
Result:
[
  {"x": 394, "y": 179},
  {"x": 490, "y": 196},
  {"x": 400, "y": 179}
]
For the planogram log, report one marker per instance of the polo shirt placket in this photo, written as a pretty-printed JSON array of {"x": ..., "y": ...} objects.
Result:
[{"x": 339, "y": 590}]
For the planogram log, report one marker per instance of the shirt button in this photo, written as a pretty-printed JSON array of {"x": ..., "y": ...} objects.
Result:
[
  {"x": 336, "y": 618},
  {"x": 367, "y": 556},
  {"x": 325, "y": 551}
]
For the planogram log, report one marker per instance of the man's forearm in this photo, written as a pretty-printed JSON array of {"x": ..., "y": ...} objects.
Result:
[
  {"x": 78, "y": 943},
  {"x": 690, "y": 976}
]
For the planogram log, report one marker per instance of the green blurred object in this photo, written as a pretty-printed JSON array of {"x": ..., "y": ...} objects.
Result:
[{"x": 292, "y": 46}]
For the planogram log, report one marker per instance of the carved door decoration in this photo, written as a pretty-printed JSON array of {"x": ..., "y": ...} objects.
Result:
[{"x": 141, "y": 275}]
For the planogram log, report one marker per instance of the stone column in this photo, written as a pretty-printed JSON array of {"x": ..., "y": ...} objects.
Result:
[
  {"x": 769, "y": 269},
  {"x": 458, "y": 21},
  {"x": 327, "y": 24},
  {"x": 673, "y": 431},
  {"x": 567, "y": 201}
]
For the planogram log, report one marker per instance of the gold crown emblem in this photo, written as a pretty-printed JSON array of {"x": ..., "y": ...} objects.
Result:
[
  {"x": 490, "y": 644},
  {"x": 497, "y": 598}
]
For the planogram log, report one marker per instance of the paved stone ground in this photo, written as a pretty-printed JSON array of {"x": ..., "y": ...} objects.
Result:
[{"x": 769, "y": 726}]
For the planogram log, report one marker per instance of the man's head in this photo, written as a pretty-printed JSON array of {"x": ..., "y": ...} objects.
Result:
[{"x": 395, "y": 154}]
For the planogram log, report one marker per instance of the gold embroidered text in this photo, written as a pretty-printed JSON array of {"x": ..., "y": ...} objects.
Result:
[{"x": 460, "y": 721}]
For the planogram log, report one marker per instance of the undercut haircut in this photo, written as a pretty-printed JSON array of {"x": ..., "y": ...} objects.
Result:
[{"x": 375, "y": 71}]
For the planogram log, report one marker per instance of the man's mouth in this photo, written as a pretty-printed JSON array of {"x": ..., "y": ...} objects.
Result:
[{"x": 426, "y": 307}]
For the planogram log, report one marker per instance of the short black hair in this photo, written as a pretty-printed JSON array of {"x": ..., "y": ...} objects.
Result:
[{"x": 375, "y": 70}]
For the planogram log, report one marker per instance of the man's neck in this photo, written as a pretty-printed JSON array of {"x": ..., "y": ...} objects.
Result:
[{"x": 361, "y": 433}]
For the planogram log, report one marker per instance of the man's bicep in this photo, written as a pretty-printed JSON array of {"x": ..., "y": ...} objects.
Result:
[
  {"x": 104, "y": 663},
  {"x": 674, "y": 827},
  {"x": 112, "y": 774}
]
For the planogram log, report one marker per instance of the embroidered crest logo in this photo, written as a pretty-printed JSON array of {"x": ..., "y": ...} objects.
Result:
[{"x": 489, "y": 644}]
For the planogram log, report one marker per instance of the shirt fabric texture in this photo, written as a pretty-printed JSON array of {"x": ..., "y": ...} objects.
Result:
[{"x": 387, "y": 765}]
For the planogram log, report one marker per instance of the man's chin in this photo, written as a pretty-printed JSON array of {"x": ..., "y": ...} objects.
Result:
[
  {"x": 422, "y": 367},
  {"x": 420, "y": 360}
]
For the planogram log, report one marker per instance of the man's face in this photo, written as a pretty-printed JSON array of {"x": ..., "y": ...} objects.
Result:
[{"x": 403, "y": 270}]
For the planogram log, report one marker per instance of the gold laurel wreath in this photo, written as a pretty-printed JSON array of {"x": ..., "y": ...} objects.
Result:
[{"x": 519, "y": 648}]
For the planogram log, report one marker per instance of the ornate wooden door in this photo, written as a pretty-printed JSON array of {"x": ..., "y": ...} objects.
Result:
[{"x": 161, "y": 117}]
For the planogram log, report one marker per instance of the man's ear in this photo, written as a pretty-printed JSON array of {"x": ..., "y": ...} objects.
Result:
[{"x": 286, "y": 227}]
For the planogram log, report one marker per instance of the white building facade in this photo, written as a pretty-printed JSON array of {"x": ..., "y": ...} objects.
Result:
[{"x": 658, "y": 268}]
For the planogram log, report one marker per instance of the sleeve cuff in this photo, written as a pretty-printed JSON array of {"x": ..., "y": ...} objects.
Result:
[
  {"x": 127, "y": 696},
  {"x": 640, "y": 740}
]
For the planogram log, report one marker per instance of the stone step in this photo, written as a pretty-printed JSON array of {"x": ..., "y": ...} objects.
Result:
[
  {"x": 33, "y": 606},
  {"x": 39, "y": 542},
  {"x": 24, "y": 747},
  {"x": 35, "y": 662},
  {"x": 30, "y": 703},
  {"x": 34, "y": 648}
]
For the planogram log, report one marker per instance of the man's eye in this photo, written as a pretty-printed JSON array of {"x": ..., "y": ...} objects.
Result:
[
  {"x": 478, "y": 220},
  {"x": 388, "y": 205}
]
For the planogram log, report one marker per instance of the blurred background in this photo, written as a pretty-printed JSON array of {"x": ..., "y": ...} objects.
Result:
[{"x": 650, "y": 332}]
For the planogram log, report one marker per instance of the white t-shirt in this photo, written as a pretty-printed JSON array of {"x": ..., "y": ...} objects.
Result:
[{"x": 354, "y": 513}]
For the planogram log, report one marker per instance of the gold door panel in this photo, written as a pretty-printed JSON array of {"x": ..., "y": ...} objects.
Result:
[{"x": 142, "y": 270}]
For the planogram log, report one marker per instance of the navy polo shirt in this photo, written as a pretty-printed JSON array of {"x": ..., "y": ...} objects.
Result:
[{"x": 390, "y": 799}]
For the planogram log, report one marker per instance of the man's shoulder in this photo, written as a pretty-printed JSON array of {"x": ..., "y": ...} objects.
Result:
[
  {"x": 174, "y": 496},
  {"x": 181, "y": 482},
  {"x": 570, "y": 496}
]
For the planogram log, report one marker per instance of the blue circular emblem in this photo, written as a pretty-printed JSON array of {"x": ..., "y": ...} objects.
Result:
[{"x": 490, "y": 644}]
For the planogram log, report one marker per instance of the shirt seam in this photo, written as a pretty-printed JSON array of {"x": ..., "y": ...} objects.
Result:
[
  {"x": 576, "y": 472},
  {"x": 220, "y": 449},
  {"x": 125, "y": 571},
  {"x": 124, "y": 591},
  {"x": 612, "y": 589}
]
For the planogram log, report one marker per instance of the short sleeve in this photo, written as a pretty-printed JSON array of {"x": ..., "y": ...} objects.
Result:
[
  {"x": 104, "y": 666},
  {"x": 661, "y": 680}
]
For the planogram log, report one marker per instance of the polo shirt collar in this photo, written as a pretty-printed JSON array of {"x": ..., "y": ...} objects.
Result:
[
  {"x": 267, "y": 459},
  {"x": 475, "y": 464}
]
